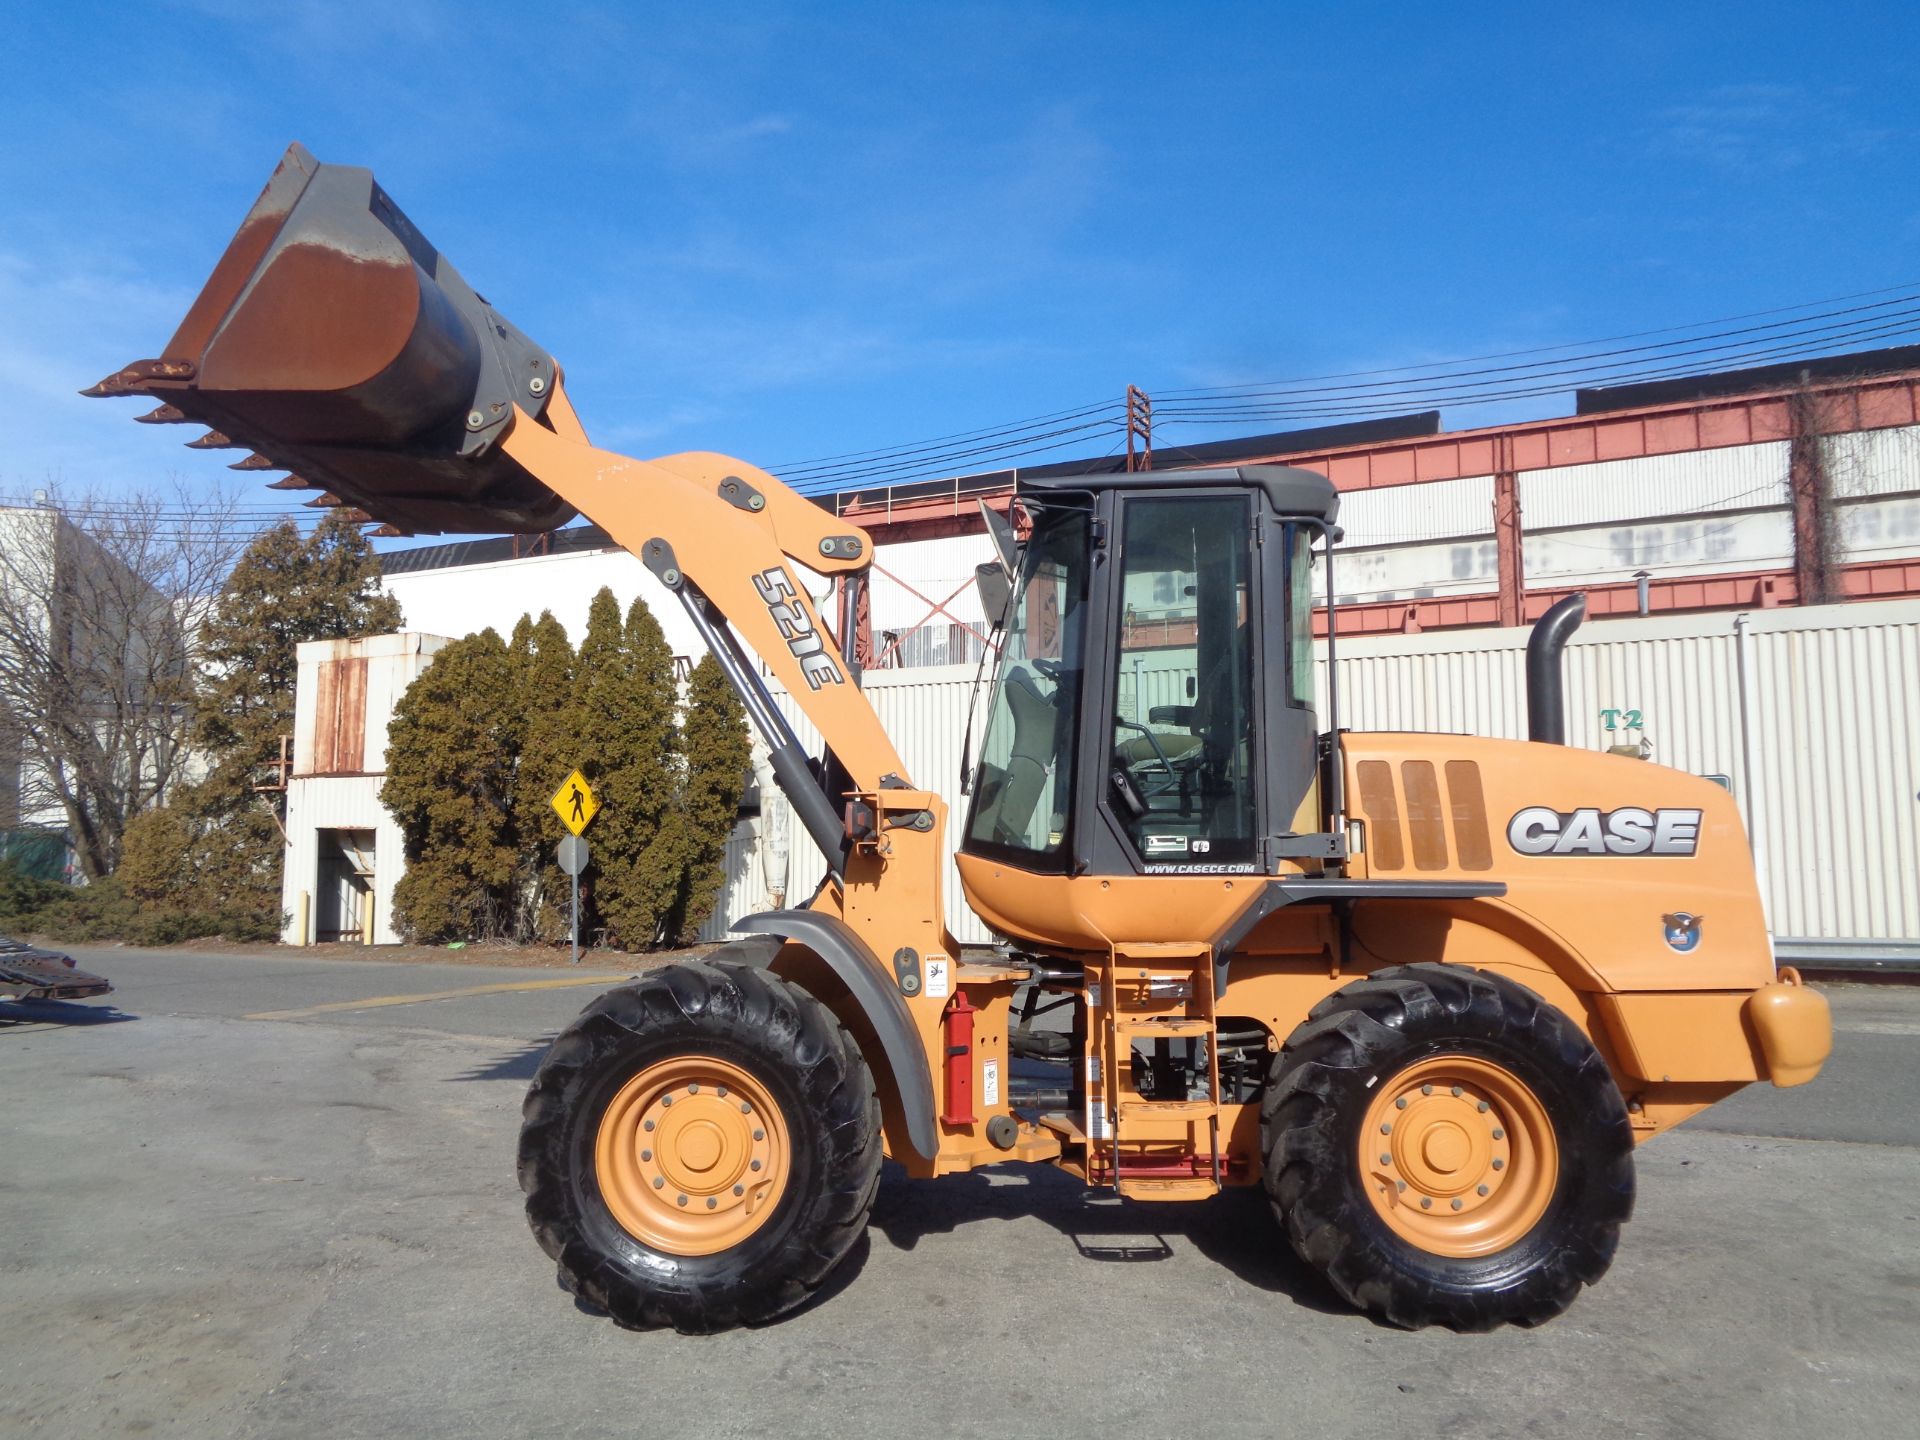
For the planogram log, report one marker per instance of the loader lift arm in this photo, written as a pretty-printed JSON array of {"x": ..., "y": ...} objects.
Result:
[{"x": 719, "y": 533}]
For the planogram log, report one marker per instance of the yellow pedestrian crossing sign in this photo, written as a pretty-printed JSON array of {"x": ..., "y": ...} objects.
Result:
[{"x": 575, "y": 803}]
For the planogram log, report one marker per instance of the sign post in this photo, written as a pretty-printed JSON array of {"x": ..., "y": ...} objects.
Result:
[
  {"x": 576, "y": 806},
  {"x": 572, "y": 858}
]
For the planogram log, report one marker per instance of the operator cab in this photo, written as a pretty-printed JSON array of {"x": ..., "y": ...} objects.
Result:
[{"x": 1153, "y": 707}]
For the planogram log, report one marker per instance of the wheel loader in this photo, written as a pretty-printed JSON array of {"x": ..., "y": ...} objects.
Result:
[{"x": 1427, "y": 991}]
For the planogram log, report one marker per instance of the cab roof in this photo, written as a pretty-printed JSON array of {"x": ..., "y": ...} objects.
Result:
[{"x": 1290, "y": 491}]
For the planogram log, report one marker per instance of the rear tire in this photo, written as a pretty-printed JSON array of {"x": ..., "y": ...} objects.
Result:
[
  {"x": 1468, "y": 1092},
  {"x": 766, "y": 1079}
]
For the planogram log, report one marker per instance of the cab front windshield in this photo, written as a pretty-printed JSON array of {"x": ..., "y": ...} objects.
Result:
[{"x": 1022, "y": 796}]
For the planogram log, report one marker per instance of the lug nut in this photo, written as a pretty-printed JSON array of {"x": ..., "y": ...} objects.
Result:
[
  {"x": 721, "y": 1092},
  {"x": 646, "y": 1125},
  {"x": 1400, "y": 1185},
  {"x": 1499, "y": 1164},
  {"x": 759, "y": 1134},
  {"x": 1386, "y": 1129},
  {"x": 683, "y": 1199},
  {"x": 754, "y": 1166},
  {"x": 1456, "y": 1092},
  {"x": 646, "y": 1154},
  {"x": 1401, "y": 1103},
  {"x": 739, "y": 1189},
  {"x": 1386, "y": 1159},
  {"x": 1483, "y": 1189},
  {"x": 1458, "y": 1203},
  {"x": 745, "y": 1109},
  {"x": 658, "y": 1183},
  {"x": 1426, "y": 1089},
  {"x": 666, "y": 1099},
  {"x": 1481, "y": 1107},
  {"x": 1498, "y": 1133},
  {"x": 1426, "y": 1202},
  {"x": 711, "y": 1202},
  {"x": 693, "y": 1089}
]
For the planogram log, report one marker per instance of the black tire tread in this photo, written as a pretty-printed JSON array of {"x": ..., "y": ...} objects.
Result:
[
  {"x": 1372, "y": 1026},
  {"x": 604, "y": 1266}
]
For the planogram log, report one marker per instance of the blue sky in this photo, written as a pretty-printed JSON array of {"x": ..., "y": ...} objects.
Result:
[{"x": 790, "y": 231}]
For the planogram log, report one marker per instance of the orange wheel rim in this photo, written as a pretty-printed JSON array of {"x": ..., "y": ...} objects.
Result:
[
  {"x": 692, "y": 1155},
  {"x": 1458, "y": 1156}
]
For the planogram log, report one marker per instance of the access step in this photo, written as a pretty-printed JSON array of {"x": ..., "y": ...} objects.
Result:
[
  {"x": 1066, "y": 1126},
  {"x": 1167, "y": 1189},
  {"x": 1165, "y": 1027},
  {"x": 1167, "y": 1109}
]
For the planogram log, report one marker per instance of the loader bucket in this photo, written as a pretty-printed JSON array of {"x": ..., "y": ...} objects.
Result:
[{"x": 335, "y": 342}]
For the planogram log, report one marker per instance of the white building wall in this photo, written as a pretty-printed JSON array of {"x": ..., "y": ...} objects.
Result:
[
  {"x": 317, "y": 802},
  {"x": 465, "y": 599}
]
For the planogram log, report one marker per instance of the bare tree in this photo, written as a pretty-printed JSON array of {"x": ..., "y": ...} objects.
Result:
[{"x": 101, "y": 604}]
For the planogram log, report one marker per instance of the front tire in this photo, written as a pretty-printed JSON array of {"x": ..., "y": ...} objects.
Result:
[
  {"x": 1447, "y": 1148},
  {"x": 700, "y": 1148}
]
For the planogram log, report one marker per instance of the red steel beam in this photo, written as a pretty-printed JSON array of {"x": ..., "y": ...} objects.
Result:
[{"x": 1869, "y": 404}]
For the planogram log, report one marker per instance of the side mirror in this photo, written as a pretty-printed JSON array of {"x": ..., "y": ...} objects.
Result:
[
  {"x": 1006, "y": 544},
  {"x": 995, "y": 587},
  {"x": 1172, "y": 715}
]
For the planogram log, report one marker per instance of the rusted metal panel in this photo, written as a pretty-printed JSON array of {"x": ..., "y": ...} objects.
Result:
[{"x": 340, "y": 717}]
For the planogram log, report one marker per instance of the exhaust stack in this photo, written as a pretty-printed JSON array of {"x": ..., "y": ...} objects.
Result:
[
  {"x": 1546, "y": 681},
  {"x": 332, "y": 340}
]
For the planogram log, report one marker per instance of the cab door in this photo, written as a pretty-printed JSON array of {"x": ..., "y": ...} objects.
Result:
[{"x": 1179, "y": 782}]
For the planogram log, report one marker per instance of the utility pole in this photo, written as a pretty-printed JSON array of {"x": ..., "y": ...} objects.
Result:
[{"x": 1139, "y": 430}]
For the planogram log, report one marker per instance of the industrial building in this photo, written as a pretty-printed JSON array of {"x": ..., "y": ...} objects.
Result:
[{"x": 1749, "y": 542}]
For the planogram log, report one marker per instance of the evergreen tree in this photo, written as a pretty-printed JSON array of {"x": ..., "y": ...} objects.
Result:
[
  {"x": 284, "y": 589},
  {"x": 543, "y": 661},
  {"x": 625, "y": 727},
  {"x": 717, "y": 753},
  {"x": 450, "y": 776}
]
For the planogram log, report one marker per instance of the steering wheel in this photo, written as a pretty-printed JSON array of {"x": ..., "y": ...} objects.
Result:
[{"x": 1153, "y": 740}]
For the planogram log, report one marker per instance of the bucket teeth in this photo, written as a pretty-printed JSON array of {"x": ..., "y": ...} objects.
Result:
[
  {"x": 165, "y": 415},
  {"x": 293, "y": 482},
  {"x": 213, "y": 440},
  {"x": 356, "y": 516},
  {"x": 256, "y": 462},
  {"x": 325, "y": 501},
  {"x": 390, "y": 532},
  {"x": 137, "y": 377}
]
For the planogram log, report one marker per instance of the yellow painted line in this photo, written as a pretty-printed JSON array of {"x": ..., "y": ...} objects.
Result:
[{"x": 604, "y": 979}]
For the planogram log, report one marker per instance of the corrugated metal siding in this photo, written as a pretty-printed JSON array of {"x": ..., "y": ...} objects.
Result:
[
  {"x": 1875, "y": 462},
  {"x": 1837, "y": 766},
  {"x": 1738, "y": 477},
  {"x": 1467, "y": 566},
  {"x": 339, "y": 802},
  {"x": 922, "y": 573},
  {"x": 1403, "y": 514},
  {"x": 1837, "y": 761},
  {"x": 1839, "y": 780},
  {"x": 1695, "y": 545},
  {"x": 925, "y": 713},
  {"x": 744, "y": 891}
]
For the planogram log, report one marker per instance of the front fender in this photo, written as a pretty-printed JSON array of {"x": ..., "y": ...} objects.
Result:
[{"x": 835, "y": 942}]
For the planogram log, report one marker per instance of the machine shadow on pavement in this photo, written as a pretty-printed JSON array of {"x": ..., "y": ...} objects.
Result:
[
  {"x": 22, "y": 1013},
  {"x": 1235, "y": 1231},
  {"x": 517, "y": 1064}
]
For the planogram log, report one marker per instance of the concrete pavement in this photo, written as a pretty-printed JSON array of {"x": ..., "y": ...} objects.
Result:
[{"x": 308, "y": 1225}]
